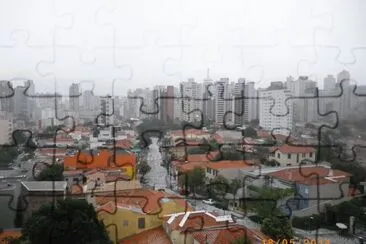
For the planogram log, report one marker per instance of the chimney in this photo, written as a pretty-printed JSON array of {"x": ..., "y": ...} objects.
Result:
[{"x": 330, "y": 172}]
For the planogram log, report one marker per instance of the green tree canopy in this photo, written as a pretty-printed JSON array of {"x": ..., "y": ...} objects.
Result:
[
  {"x": 143, "y": 168},
  {"x": 53, "y": 172},
  {"x": 193, "y": 179},
  {"x": 70, "y": 221},
  {"x": 250, "y": 132},
  {"x": 278, "y": 228}
]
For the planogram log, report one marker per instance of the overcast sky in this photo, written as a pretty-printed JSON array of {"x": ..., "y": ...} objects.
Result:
[{"x": 141, "y": 43}]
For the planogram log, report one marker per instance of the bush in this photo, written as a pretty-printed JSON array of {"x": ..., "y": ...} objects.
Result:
[{"x": 305, "y": 223}]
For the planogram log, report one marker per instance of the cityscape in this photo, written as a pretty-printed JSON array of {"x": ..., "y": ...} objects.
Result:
[
  {"x": 201, "y": 150},
  {"x": 182, "y": 122}
]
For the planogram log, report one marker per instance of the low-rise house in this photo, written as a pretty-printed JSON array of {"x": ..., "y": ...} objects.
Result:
[
  {"x": 136, "y": 211},
  {"x": 332, "y": 184},
  {"x": 287, "y": 155},
  {"x": 206, "y": 227},
  {"x": 34, "y": 194},
  {"x": 103, "y": 159},
  {"x": 226, "y": 168}
]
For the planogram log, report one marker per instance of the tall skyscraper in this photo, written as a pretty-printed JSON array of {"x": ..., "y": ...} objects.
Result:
[
  {"x": 169, "y": 104},
  {"x": 192, "y": 100},
  {"x": 304, "y": 108},
  {"x": 74, "y": 96},
  {"x": 223, "y": 100}
]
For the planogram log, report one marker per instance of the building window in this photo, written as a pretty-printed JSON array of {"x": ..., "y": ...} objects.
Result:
[
  {"x": 289, "y": 156},
  {"x": 141, "y": 223},
  {"x": 125, "y": 222},
  {"x": 304, "y": 155},
  {"x": 278, "y": 155},
  {"x": 311, "y": 154}
]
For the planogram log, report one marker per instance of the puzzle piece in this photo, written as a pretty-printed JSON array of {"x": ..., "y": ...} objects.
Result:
[{"x": 117, "y": 47}]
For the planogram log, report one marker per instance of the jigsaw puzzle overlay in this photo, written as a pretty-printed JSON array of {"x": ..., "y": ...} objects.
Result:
[{"x": 182, "y": 121}]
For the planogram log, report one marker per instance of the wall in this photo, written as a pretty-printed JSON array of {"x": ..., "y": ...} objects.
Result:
[
  {"x": 151, "y": 221},
  {"x": 283, "y": 160}
]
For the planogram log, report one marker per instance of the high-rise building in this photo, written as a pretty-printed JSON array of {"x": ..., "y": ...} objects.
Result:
[
  {"x": 106, "y": 116},
  {"x": 6, "y": 128},
  {"x": 304, "y": 108},
  {"x": 74, "y": 98},
  {"x": 20, "y": 103},
  {"x": 208, "y": 103},
  {"x": 329, "y": 83},
  {"x": 223, "y": 100},
  {"x": 192, "y": 100},
  {"x": 169, "y": 104},
  {"x": 7, "y": 103},
  {"x": 274, "y": 113}
]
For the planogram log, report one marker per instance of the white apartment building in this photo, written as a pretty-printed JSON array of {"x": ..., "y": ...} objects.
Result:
[
  {"x": 280, "y": 117},
  {"x": 191, "y": 91},
  {"x": 222, "y": 95}
]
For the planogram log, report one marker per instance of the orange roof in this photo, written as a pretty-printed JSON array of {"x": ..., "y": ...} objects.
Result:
[
  {"x": 144, "y": 199},
  {"x": 104, "y": 159},
  {"x": 226, "y": 164},
  {"x": 302, "y": 175},
  {"x": 294, "y": 149},
  {"x": 152, "y": 236},
  {"x": 225, "y": 235},
  {"x": 191, "y": 165},
  {"x": 9, "y": 234}
]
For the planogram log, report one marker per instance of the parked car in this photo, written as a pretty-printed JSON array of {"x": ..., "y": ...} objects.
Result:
[{"x": 209, "y": 201}]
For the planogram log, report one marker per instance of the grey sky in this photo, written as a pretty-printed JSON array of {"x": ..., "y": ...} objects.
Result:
[{"x": 142, "y": 43}]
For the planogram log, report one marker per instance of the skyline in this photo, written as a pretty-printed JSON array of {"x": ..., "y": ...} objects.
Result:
[{"x": 134, "y": 44}]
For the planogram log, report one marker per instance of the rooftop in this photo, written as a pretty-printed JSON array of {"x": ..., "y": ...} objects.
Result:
[
  {"x": 44, "y": 185},
  {"x": 226, "y": 164},
  {"x": 294, "y": 149},
  {"x": 308, "y": 175},
  {"x": 153, "y": 236}
]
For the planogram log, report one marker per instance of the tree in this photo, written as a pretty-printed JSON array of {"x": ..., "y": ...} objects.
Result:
[
  {"x": 193, "y": 179},
  {"x": 143, "y": 169},
  {"x": 53, "y": 172},
  {"x": 218, "y": 187},
  {"x": 249, "y": 132},
  {"x": 70, "y": 221},
  {"x": 278, "y": 228}
]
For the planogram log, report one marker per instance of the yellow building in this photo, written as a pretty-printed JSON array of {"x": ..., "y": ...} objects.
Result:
[{"x": 135, "y": 211}]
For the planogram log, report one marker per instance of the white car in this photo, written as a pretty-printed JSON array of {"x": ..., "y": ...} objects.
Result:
[{"x": 209, "y": 201}]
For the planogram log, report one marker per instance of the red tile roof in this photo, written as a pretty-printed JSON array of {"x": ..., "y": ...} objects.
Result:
[
  {"x": 191, "y": 165},
  {"x": 144, "y": 199},
  {"x": 302, "y": 175},
  {"x": 226, "y": 164},
  {"x": 293, "y": 149},
  {"x": 152, "y": 236},
  {"x": 225, "y": 235}
]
